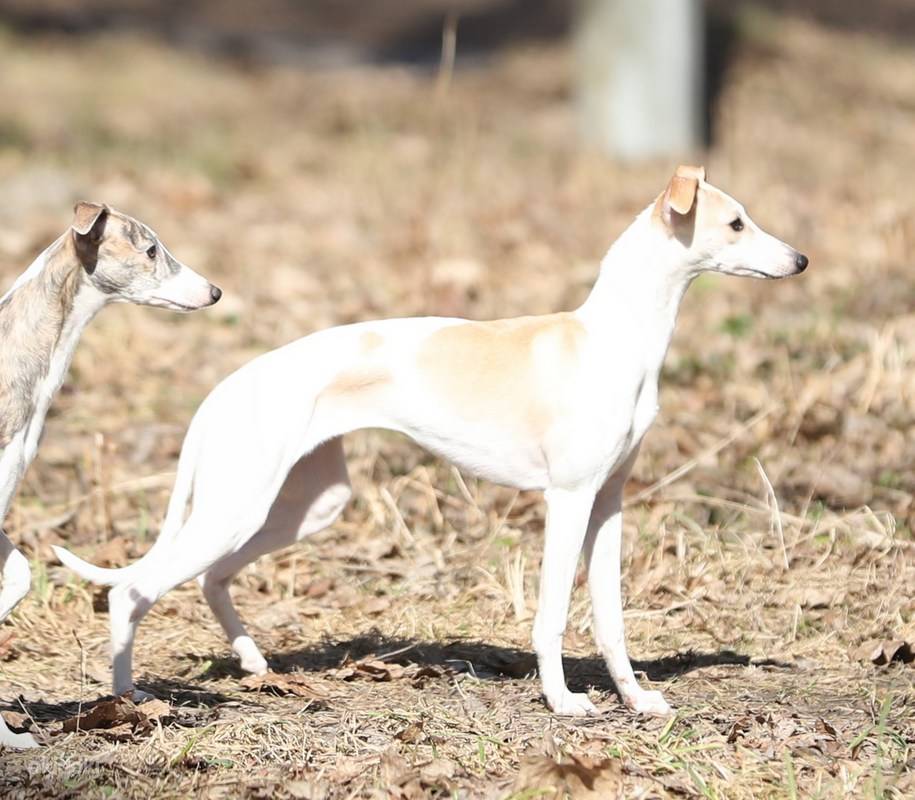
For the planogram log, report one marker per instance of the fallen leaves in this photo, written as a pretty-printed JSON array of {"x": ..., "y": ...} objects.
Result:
[
  {"x": 7, "y": 651},
  {"x": 375, "y": 669},
  {"x": 770, "y": 733},
  {"x": 115, "y": 719},
  {"x": 573, "y": 776},
  {"x": 284, "y": 683},
  {"x": 881, "y": 652},
  {"x": 112, "y": 553},
  {"x": 413, "y": 782}
]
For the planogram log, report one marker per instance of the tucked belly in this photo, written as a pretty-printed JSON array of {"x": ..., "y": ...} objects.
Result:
[{"x": 487, "y": 452}]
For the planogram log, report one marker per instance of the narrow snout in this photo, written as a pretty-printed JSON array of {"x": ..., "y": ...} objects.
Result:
[
  {"x": 186, "y": 291},
  {"x": 800, "y": 262}
]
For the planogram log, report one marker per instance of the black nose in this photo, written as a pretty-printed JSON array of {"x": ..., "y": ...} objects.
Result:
[
  {"x": 801, "y": 262},
  {"x": 216, "y": 292}
]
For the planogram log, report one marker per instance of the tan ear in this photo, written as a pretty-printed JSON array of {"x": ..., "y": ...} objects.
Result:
[
  {"x": 687, "y": 171},
  {"x": 86, "y": 216},
  {"x": 681, "y": 194}
]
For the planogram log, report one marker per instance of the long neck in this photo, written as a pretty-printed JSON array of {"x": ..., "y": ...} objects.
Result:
[
  {"x": 642, "y": 280},
  {"x": 67, "y": 288},
  {"x": 44, "y": 313}
]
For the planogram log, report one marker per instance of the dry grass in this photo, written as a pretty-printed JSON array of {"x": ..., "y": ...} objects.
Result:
[{"x": 319, "y": 198}]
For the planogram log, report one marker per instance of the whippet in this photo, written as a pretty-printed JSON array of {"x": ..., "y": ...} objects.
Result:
[
  {"x": 558, "y": 403},
  {"x": 104, "y": 257}
]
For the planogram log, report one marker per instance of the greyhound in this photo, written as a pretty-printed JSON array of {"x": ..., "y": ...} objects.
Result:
[
  {"x": 558, "y": 403},
  {"x": 104, "y": 257}
]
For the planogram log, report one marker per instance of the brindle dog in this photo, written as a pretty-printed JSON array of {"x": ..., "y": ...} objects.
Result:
[{"x": 104, "y": 257}]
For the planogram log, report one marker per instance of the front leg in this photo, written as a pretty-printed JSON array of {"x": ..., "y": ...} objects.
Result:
[
  {"x": 602, "y": 556},
  {"x": 15, "y": 576},
  {"x": 566, "y": 524}
]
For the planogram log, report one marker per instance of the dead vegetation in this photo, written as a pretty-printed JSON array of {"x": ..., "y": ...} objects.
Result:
[{"x": 769, "y": 563}]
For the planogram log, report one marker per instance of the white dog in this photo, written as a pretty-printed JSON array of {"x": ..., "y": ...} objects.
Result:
[
  {"x": 558, "y": 403},
  {"x": 104, "y": 257}
]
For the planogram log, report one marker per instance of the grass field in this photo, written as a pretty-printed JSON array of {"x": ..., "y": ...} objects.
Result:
[{"x": 400, "y": 639}]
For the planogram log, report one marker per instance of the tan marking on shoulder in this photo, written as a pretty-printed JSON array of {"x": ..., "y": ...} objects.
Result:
[{"x": 511, "y": 372}]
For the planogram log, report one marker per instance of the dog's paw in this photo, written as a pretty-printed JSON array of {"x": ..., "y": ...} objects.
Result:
[
  {"x": 138, "y": 696},
  {"x": 573, "y": 704},
  {"x": 649, "y": 702},
  {"x": 249, "y": 657},
  {"x": 255, "y": 666}
]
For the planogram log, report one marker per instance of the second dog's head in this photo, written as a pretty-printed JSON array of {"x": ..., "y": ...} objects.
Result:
[
  {"x": 124, "y": 259},
  {"x": 717, "y": 233}
]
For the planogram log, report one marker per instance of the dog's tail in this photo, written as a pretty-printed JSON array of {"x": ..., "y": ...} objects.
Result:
[
  {"x": 174, "y": 520},
  {"x": 90, "y": 572}
]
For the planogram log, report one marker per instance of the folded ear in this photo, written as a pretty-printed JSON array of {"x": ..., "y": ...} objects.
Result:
[
  {"x": 687, "y": 171},
  {"x": 681, "y": 191},
  {"x": 681, "y": 194},
  {"x": 89, "y": 218}
]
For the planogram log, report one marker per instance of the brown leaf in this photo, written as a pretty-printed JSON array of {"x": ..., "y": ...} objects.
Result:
[
  {"x": 123, "y": 732},
  {"x": 118, "y": 719},
  {"x": 422, "y": 676},
  {"x": 367, "y": 668},
  {"x": 884, "y": 651},
  {"x": 283, "y": 683},
  {"x": 437, "y": 770},
  {"x": 376, "y": 605},
  {"x": 7, "y": 651},
  {"x": 319, "y": 588},
  {"x": 574, "y": 776},
  {"x": 411, "y": 734},
  {"x": 112, "y": 553},
  {"x": 816, "y": 597},
  {"x": 104, "y": 714},
  {"x": 16, "y": 720},
  {"x": 394, "y": 769},
  {"x": 738, "y": 729},
  {"x": 155, "y": 709}
]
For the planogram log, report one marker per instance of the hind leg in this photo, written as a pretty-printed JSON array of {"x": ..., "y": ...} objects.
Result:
[
  {"x": 312, "y": 497},
  {"x": 131, "y": 600}
]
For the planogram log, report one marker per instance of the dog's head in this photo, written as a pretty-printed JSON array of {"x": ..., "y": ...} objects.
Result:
[
  {"x": 125, "y": 260},
  {"x": 717, "y": 233}
]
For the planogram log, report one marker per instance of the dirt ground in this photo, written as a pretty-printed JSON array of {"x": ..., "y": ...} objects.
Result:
[{"x": 399, "y": 640}]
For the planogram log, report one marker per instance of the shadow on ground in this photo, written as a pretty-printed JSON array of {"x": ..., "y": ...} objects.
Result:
[{"x": 483, "y": 661}]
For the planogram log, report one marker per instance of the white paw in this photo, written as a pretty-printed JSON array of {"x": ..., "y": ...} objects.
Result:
[
  {"x": 573, "y": 704},
  {"x": 137, "y": 695},
  {"x": 650, "y": 702},
  {"x": 256, "y": 666}
]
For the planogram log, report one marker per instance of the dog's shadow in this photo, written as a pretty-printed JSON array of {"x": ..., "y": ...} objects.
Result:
[
  {"x": 192, "y": 705},
  {"x": 481, "y": 660}
]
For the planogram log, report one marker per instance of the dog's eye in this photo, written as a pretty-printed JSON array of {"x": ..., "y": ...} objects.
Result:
[
  {"x": 737, "y": 225},
  {"x": 152, "y": 251}
]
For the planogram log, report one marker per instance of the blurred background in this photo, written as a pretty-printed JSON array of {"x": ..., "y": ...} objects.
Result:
[{"x": 326, "y": 161}]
